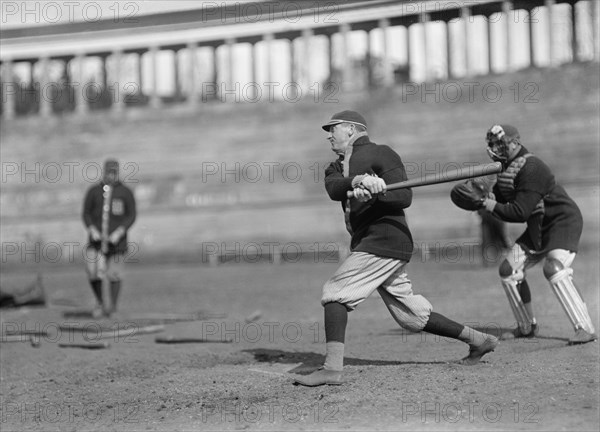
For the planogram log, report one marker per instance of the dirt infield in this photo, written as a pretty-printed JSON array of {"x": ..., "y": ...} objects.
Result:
[{"x": 261, "y": 323}]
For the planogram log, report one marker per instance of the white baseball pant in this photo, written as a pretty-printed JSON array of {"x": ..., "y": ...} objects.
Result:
[{"x": 362, "y": 273}]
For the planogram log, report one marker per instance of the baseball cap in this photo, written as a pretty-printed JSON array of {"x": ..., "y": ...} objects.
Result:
[
  {"x": 345, "y": 117},
  {"x": 504, "y": 131},
  {"x": 111, "y": 165}
]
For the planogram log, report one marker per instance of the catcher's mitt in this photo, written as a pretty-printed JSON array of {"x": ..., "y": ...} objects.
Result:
[{"x": 468, "y": 195}]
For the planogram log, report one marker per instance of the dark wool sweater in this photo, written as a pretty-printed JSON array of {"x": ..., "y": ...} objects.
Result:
[
  {"x": 560, "y": 226},
  {"x": 379, "y": 226},
  {"x": 122, "y": 213}
]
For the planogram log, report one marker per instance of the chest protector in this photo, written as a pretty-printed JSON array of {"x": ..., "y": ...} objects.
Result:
[{"x": 506, "y": 182}]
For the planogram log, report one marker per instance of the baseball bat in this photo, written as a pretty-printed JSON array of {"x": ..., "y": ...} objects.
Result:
[
  {"x": 445, "y": 177},
  {"x": 103, "y": 257}
]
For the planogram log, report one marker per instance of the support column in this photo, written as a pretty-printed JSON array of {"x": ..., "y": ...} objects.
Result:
[
  {"x": 333, "y": 77},
  {"x": 215, "y": 65},
  {"x": 574, "y": 45},
  {"x": 293, "y": 77},
  {"x": 344, "y": 30},
  {"x": 176, "y": 78},
  {"x": 595, "y": 30},
  {"x": 228, "y": 81},
  {"x": 424, "y": 21},
  {"x": 490, "y": 49},
  {"x": 449, "y": 74},
  {"x": 531, "y": 44},
  {"x": 506, "y": 8},
  {"x": 369, "y": 61},
  {"x": 140, "y": 75},
  {"x": 551, "y": 49},
  {"x": 465, "y": 14},
  {"x": 9, "y": 90},
  {"x": 45, "y": 89},
  {"x": 388, "y": 73},
  {"x": 268, "y": 39},
  {"x": 81, "y": 100},
  {"x": 256, "y": 88},
  {"x": 408, "y": 56},
  {"x": 192, "y": 99},
  {"x": 307, "y": 35},
  {"x": 155, "y": 101},
  {"x": 118, "y": 99},
  {"x": 104, "y": 73},
  {"x": 293, "y": 74}
]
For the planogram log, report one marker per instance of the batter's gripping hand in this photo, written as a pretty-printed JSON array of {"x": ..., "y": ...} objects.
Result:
[
  {"x": 362, "y": 195},
  {"x": 373, "y": 184},
  {"x": 469, "y": 195}
]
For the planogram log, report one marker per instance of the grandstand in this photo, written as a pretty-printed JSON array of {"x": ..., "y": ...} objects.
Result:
[
  {"x": 227, "y": 173},
  {"x": 252, "y": 173}
]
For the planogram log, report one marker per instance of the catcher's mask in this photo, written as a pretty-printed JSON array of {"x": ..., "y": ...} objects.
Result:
[{"x": 497, "y": 140}]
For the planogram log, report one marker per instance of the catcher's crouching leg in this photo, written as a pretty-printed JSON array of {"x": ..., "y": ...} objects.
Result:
[
  {"x": 511, "y": 279},
  {"x": 570, "y": 299}
]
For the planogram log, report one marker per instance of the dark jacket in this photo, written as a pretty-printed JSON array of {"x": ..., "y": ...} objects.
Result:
[
  {"x": 379, "y": 226},
  {"x": 557, "y": 226},
  {"x": 122, "y": 213}
]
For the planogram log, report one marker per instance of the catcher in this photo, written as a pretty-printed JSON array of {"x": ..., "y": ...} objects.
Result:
[{"x": 526, "y": 191}]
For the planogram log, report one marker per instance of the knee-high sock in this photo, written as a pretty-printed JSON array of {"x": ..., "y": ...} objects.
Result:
[
  {"x": 439, "y": 325},
  {"x": 115, "y": 289},
  {"x": 97, "y": 289},
  {"x": 336, "y": 319},
  {"x": 524, "y": 291},
  {"x": 525, "y": 294}
]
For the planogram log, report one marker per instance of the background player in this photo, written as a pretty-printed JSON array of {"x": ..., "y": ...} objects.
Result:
[
  {"x": 381, "y": 247},
  {"x": 526, "y": 191},
  {"x": 108, "y": 212}
]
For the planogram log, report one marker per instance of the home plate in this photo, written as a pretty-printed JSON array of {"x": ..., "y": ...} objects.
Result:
[{"x": 276, "y": 369}]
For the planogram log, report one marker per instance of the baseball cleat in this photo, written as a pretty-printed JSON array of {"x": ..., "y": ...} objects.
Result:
[
  {"x": 320, "y": 377},
  {"x": 476, "y": 352},
  {"x": 581, "y": 337},
  {"x": 518, "y": 333}
]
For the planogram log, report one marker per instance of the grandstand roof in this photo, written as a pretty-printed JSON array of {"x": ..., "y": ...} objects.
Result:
[{"x": 244, "y": 22}]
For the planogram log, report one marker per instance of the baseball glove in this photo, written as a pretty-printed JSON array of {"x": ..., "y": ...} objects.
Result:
[{"x": 468, "y": 195}]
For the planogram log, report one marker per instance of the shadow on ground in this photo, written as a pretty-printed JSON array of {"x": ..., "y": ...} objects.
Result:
[{"x": 310, "y": 360}]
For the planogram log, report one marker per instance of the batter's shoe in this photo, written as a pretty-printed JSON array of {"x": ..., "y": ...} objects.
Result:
[
  {"x": 518, "y": 333},
  {"x": 478, "y": 351},
  {"x": 320, "y": 377},
  {"x": 581, "y": 337}
]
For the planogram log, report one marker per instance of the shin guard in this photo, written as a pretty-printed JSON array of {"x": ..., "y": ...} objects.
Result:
[
  {"x": 517, "y": 306},
  {"x": 568, "y": 295}
]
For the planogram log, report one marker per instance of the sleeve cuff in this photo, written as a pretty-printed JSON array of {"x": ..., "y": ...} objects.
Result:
[{"x": 489, "y": 205}]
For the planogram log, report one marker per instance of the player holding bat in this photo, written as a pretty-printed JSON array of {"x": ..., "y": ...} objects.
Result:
[
  {"x": 381, "y": 247},
  {"x": 108, "y": 212}
]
